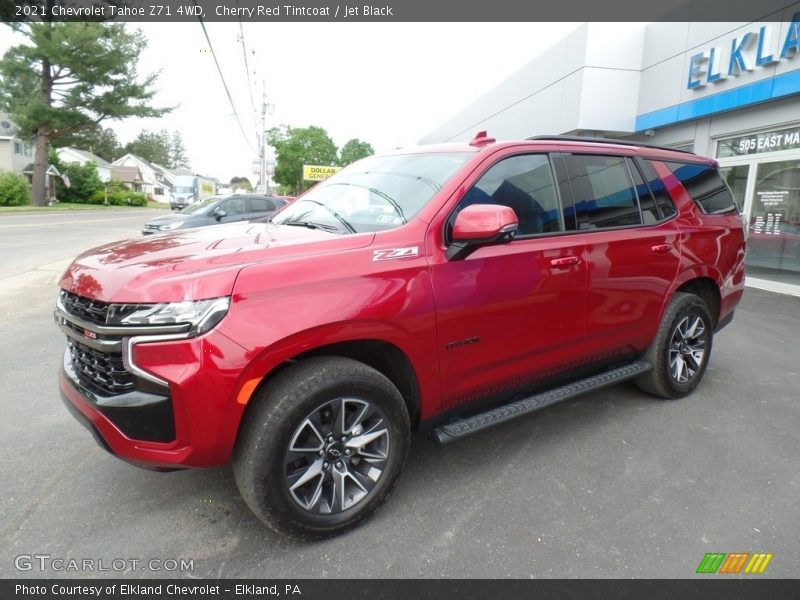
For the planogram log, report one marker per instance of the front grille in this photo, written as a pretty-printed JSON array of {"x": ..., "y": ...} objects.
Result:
[
  {"x": 94, "y": 311},
  {"x": 101, "y": 372}
]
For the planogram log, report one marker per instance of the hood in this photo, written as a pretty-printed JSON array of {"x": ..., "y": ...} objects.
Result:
[
  {"x": 169, "y": 219},
  {"x": 195, "y": 263}
]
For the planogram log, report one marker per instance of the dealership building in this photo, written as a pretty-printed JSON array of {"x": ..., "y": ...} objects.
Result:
[{"x": 726, "y": 90}]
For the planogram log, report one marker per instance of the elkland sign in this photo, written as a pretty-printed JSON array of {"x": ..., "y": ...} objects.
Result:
[{"x": 753, "y": 49}]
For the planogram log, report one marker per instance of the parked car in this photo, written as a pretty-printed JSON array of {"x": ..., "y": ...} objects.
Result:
[
  {"x": 443, "y": 289},
  {"x": 217, "y": 209}
]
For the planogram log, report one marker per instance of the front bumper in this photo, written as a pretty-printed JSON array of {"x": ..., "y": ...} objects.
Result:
[{"x": 180, "y": 409}]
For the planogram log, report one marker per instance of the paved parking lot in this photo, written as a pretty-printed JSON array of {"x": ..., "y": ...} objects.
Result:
[{"x": 614, "y": 484}]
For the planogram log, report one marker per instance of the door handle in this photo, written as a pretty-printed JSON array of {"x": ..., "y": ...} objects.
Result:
[
  {"x": 567, "y": 261},
  {"x": 661, "y": 248}
]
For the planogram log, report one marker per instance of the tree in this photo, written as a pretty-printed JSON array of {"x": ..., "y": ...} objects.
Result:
[
  {"x": 354, "y": 150},
  {"x": 177, "y": 152},
  {"x": 98, "y": 140},
  {"x": 69, "y": 77},
  {"x": 295, "y": 147},
  {"x": 152, "y": 146},
  {"x": 84, "y": 182},
  {"x": 241, "y": 182}
]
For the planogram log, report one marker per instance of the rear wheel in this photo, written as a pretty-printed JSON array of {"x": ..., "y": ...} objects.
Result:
[
  {"x": 322, "y": 447},
  {"x": 681, "y": 349}
]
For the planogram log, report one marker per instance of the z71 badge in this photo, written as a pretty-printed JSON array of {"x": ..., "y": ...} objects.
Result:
[{"x": 392, "y": 253}]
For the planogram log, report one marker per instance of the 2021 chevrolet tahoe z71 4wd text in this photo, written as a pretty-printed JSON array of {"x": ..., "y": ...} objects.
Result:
[{"x": 444, "y": 289}]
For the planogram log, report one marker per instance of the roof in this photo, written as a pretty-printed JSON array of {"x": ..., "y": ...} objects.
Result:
[
  {"x": 88, "y": 156},
  {"x": 127, "y": 174},
  {"x": 139, "y": 158},
  {"x": 51, "y": 170}
]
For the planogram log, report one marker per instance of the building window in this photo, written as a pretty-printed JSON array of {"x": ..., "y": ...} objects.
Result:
[
  {"x": 773, "y": 244},
  {"x": 17, "y": 147},
  {"x": 159, "y": 191}
]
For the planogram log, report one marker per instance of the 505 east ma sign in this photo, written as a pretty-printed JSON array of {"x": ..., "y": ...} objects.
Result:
[{"x": 753, "y": 49}]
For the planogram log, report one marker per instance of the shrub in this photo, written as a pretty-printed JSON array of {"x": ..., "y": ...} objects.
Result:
[
  {"x": 14, "y": 190},
  {"x": 124, "y": 197}
]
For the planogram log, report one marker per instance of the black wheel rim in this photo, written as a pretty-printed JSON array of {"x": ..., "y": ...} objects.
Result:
[
  {"x": 687, "y": 348},
  {"x": 337, "y": 455}
]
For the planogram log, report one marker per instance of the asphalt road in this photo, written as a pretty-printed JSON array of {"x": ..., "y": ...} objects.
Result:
[{"x": 615, "y": 484}]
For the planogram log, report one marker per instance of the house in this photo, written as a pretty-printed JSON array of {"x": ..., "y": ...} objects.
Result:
[
  {"x": 154, "y": 180},
  {"x": 16, "y": 155},
  {"x": 130, "y": 176},
  {"x": 74, "y": 155}
]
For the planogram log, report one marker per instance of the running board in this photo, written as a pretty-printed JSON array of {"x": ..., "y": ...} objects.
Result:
[{"x": 461, "y": 428}]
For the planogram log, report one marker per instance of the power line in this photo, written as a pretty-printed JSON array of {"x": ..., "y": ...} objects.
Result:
[
  {"x": 247, "y": 67},
  {"x": 225, "y": 85}
]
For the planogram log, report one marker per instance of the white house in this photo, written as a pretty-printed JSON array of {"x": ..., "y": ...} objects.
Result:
[
  {"x": 16, "y": 155},
  {"x": 156, "y": 181},
  {"x": 81, "y": 157}
]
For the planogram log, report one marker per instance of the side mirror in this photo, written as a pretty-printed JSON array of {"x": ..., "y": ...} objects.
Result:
[
  {"x": 218, "y": 214},
  {"x": 481, "y": 225}
]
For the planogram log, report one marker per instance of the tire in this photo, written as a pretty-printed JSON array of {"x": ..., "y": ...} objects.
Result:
[
  {"x": 681, "y": 349},
  {"x": 277, "y": 464}
]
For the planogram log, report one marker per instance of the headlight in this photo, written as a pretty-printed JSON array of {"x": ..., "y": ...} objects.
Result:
[
  {"x": 203, "y": 315},
  {"x": 169, "y": 226}
]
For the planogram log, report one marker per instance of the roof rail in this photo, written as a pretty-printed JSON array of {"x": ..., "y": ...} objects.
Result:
[{"x": 602, "y": 140}]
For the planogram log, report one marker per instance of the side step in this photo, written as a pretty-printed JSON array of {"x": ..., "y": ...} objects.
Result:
[{"x": 455, "y": 430}]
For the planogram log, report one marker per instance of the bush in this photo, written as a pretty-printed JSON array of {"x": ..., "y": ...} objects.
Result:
[
  {"x": 14, "y": 190},
  {"x": 124, "y": 197},
  {"x": 84, "y": 183}
]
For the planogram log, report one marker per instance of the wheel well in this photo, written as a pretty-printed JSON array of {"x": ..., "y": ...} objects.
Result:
[
  {"x": 707, "y": 291},
  {"x": 382, "y": 356}
]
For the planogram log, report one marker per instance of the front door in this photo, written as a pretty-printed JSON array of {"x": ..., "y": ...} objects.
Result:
[{"x": 509, "y": 315}]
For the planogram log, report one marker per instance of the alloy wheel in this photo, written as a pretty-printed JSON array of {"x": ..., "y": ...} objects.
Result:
[
  {"x": 337, "y": 455},
  {"x": 687, "y": 348}
]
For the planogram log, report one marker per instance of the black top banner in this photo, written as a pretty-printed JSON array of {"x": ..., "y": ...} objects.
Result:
[{"x": 396, "y": 10}]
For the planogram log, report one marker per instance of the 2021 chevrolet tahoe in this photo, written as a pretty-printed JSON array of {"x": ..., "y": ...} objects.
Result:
[{"x": 443, "y": 289}]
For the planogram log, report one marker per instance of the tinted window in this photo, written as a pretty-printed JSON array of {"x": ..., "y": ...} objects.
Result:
[
  {"x": 658, "y": 189},
  {"x": 234, "y": 206},
  {"x": 705, "y": 185},
  {"x": 646, "y": 202},
  {"x": 261, "y": 205},
  {"x": 525, "y": 184},
  {"x": 602, "y": 190}
]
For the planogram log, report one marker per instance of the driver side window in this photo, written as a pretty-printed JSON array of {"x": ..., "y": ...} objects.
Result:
[
  {"x": 234, "y": 206},
  {"x": 525, "y": 184}
]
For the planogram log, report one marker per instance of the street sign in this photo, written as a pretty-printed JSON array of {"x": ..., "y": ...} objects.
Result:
[{"x": 256, "y": 166}]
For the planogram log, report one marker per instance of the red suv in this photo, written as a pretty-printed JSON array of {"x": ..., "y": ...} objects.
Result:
[{"x": 443, "y": 289}]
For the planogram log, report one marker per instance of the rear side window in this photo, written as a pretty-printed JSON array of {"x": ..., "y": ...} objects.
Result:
[
  {"x": 660, "y": 193},
  {"x": 706, "y": 186},
  {"x": 261, "y": 205},
  {"x": 602, "y": 190}
]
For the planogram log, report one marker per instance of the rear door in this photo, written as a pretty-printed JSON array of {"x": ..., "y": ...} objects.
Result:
[
  {"x": 509, "y": 315},
  {"x": 632, "y": 249}
]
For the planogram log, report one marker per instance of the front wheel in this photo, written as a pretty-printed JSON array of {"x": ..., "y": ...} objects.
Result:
[
  {"x": 322, "y": 447},
  {"x": 681, "y": 349}
]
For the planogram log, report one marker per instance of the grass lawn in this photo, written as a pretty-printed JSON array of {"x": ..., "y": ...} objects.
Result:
[{"x": 68, "y": 206}]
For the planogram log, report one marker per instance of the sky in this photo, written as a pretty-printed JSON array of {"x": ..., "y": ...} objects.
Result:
[{"x": 385, "y": 83}]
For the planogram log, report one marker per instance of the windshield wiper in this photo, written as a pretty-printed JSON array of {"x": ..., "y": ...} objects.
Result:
[{"x": 309, "y": 225}]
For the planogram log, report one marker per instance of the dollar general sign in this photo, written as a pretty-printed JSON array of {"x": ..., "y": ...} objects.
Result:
[{"x": 318, "y": 172}]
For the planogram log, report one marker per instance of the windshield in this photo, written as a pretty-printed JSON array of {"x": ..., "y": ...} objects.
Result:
[
  {"x": 183, "y": 190},
  {"x": 200, "y": 207},
  {"x": 374, "y": 194}
]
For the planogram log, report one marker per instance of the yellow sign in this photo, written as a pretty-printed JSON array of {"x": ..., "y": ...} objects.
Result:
[{"x": 318, "y": 172}]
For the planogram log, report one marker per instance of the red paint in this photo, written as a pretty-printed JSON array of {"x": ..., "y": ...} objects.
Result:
[{"x": 536, "y": 305}]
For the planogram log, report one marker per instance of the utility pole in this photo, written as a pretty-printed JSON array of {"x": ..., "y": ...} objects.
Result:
[{"x": 265, "y": 107}]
